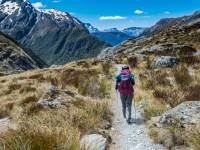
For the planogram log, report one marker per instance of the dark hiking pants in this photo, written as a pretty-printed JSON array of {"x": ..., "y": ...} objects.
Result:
[{"x": 126, "y": 104}]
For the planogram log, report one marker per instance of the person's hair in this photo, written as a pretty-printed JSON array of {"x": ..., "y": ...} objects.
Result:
[{"x": 125, "y": 67}]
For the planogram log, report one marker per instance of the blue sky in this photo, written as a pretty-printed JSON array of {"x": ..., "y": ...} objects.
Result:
[{"x": 121, "y": 13}]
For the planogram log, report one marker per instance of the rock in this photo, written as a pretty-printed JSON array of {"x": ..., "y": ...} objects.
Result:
[
  {"x": 6, "y": 124},
  {"x": 168, "y": 48},
  {"x": 51, "y": 90},
  {"x": 164, "y": 61},
  {"x": 93, "y": 141},
  {"x": 185, "y": 114},
  {"x": 154, "y": 122},
  {"x": 53, "y": 66},
  {"x": 45, "y": 103},
  {"x": 50, "y": 99}
]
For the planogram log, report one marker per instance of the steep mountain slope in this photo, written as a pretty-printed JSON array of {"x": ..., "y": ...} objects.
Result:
[
  {"x": 13, "y": 58},
  {"x": 163, "y": 24},
  {"x": 56, "y": 37}
]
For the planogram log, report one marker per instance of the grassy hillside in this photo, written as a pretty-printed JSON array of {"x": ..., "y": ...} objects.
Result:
[
  {"x": 82, "y": 88},
  {"x": 14, "y": 58},
  {"x": 167, "y": 68}
]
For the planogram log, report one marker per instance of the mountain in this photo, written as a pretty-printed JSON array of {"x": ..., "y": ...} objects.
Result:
[
  {"x": 114, "y": 36},
  {"x": 111, "y": 30},
  {"x": 133, "y": 31},
  {"x": 164, "y": 24},
  {"x": 13, "y": 58},
  {"x": 54, "y": 36},
  {"x": 90, "y": 28}
]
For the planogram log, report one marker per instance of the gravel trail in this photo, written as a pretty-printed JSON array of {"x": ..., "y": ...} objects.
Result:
[{"x": 129, "y": 137}]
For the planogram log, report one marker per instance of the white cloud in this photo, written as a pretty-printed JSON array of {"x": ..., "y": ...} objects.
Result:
[
  {"x": 139, "y": 12},
  {"x": 112, "y": 17},
  {"x": 167, "y": 12},
  {"x": 56, "y": 1},
  {"x": 38, "y": 5}
]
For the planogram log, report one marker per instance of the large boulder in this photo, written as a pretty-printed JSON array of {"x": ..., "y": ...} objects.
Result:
[
  {"x": 93, "y": 142},
  {"x": 185, "y": 114},
  {"x": 164, "y": 61}
]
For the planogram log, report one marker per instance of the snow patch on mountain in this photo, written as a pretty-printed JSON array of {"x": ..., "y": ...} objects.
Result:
[
  {"x": 9, "y": 7},
  {"x": 90, "y": 28},
  {"x": 133, "y": 31},
  {"x": 60, "y": 16}
]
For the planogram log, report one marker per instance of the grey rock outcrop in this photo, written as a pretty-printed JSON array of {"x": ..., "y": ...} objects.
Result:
[
  {"x": 93, "y": 142},
  {"x": 45, "y": 103},
  {"x": 164, "y": 61},
  {"x": 187, "y": 113},
  {"x": 50, "y": 99},
  {"x": 169, "y": 48}
]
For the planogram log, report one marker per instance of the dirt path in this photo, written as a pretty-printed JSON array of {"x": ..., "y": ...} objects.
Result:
[{"x": 129, "y": 137}]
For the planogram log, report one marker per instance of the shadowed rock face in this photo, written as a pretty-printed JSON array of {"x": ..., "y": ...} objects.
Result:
[
  {"x": 56, "y": 37},
  {"x": 13, "y": 58}
]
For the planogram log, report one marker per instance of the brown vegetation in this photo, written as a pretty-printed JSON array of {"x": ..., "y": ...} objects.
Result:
[{"x": 84, "y": 108}]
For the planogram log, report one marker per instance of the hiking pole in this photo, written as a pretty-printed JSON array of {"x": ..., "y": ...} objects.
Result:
[
  {"x": 117, "y": 97},
  {"x": 134, "y": 108}
]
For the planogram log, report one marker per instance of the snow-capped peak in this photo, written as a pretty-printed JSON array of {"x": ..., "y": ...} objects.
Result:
[
  {"x": 111, "y": 30},
  {"x": 90, "y": 28},
  {"x": 133, "y": 31},
  {"x": 9, "y": 7},
  {"x": 60, "y": 16},
  {"x": 56, "y": 13}
]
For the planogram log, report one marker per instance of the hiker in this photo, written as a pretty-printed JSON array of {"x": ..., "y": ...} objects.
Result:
[{"x": 124, "y": 84}]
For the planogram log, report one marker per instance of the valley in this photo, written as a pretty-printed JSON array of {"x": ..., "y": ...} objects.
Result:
[{"x": 57, "y": 82}]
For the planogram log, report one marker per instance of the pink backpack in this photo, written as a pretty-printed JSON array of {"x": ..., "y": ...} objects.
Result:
[{"x": 125, "y": 86}]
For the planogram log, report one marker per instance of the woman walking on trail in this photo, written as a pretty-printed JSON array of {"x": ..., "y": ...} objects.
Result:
[{"x": 124, "y": 84}]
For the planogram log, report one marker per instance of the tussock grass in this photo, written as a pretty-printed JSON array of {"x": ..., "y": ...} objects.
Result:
[
  {"x": 153, "y": 111},
  {"x": 194, "y": 140},
  {"x": 154, "y": 135},
  {"x": 132, "y": 61},
  {"x": 86, "y": 110},
  {"x": 182, "y": 77}
]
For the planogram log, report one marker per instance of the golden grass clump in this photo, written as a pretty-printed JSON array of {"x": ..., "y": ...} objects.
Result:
[
  {"x": 82, "y": 112},
  {"x": 182, "y": 77},
  {"x": 194, "y": 140},
  {"x": 153, "y": 110}
]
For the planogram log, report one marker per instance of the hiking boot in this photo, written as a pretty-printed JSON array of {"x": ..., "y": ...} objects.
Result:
[{"x": 129, "y": 121}]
